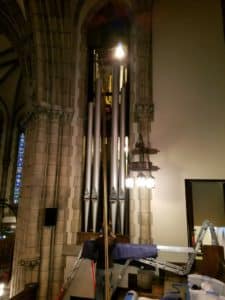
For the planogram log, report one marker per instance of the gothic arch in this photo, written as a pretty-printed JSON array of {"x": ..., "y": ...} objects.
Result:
[
  {"x": 84, "y": 14},
  {"x": 87, "y": 11},
  {"x": 90, "y": 8},
  {"x": 141, "y": 77}
]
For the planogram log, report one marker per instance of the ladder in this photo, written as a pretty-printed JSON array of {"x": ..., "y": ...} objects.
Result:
[
  {"x": 70, "y": 276},
  {"x": 192, "y": 253}
]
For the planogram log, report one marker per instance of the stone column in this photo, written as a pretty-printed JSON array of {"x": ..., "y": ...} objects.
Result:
[
  {"x": 78, "y": 125},
  {"x": 28, "y": 232},
  {"x": 38, "y": 249},
  {"x": 62, "y": 195},
  {"x": 48, "y": 150}
]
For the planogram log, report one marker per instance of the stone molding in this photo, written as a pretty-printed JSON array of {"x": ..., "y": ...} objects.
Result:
[{"x": 46, "y": 111}]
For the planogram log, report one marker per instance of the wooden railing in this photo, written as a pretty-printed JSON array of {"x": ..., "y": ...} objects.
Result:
[{"x": 29, "y": 293}]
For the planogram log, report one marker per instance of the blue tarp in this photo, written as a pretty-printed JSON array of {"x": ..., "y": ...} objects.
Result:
[{"x": 121, "y": 251}]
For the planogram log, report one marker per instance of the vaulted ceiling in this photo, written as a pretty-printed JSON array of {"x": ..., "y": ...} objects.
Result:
[{"x": 13, "y": 37}]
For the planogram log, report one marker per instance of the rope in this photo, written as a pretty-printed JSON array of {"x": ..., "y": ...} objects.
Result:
[{"x": 93, "y": 274}]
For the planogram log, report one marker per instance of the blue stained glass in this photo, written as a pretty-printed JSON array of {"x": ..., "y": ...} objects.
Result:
[{"x": 19, "y": 168}]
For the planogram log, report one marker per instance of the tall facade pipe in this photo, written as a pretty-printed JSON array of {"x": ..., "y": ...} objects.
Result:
[
  {"x": 114, "y": 147},
  {"x": 97, "y": 148},
  {"x": 87, "y": 191},
  {"x": 122, "y": 159}
]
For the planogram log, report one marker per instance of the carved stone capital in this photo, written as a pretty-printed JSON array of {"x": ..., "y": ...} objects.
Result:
[
  {"x": 30, "y": 263},
  {"x": 47, "y": 112}
]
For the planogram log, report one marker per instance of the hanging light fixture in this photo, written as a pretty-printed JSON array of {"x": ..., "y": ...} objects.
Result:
[
  {"x": 140, "y": 180},
  {"x": 150, "y": 182},
  {"x": 142, "y": 167}
]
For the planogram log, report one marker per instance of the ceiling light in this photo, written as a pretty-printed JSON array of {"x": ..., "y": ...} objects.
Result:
[{"x": 120, "y": 52}]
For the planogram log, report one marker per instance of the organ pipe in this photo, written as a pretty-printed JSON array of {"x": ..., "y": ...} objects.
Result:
[
  {"x": 87, "y": 191},
  {"x": 96, "y": 163},
  {"x": 114, "y": 147},
  {"x": 122, "y": 214},
  {"x": 122, "y": 159},
  {"x": 114, "y": 137}
]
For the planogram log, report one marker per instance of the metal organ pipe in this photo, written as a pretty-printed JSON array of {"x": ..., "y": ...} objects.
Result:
[
  {"x": 96, "y": 164},
  {"x": 122, "y": 158},
  {"x": 87, "y": 191},
  {"x": 114, "y": 147},
  {"x": 122, "y": 145}
]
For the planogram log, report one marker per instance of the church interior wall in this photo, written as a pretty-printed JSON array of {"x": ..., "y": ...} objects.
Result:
[
  {"x": 187, "y": 87},
  {"x": 188, "y": 94}
]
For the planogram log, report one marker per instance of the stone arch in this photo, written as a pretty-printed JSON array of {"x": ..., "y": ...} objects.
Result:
[
  {"x": 90, "y": 8},
  {"x": 86, "y": 12},
  {"x": 140, "y": 92}
]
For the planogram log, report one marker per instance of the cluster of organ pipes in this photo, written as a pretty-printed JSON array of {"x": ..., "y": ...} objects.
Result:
[{"x": 117, "y": 158}]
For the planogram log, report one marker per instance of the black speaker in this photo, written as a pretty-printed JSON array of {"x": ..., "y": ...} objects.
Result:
[{"x": 50, "y": 216}]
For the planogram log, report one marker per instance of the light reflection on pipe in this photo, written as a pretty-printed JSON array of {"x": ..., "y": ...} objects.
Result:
[
  {"x": 87, "y": 191},
  {"x": 96, "y": 164}
]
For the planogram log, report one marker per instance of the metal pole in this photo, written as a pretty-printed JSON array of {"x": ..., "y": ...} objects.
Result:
[{"x": 105, "y": 203}]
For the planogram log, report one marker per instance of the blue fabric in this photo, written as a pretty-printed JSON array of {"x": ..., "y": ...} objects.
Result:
[
  {"x": 121, "y": 251},
  {"x": 134, "y": 251}
]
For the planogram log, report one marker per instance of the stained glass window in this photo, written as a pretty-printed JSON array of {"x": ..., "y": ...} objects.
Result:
[{"x": 19, "y": 168}]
